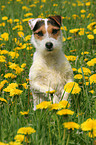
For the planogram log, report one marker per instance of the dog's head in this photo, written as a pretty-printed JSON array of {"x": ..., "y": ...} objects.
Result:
[{"x": 46, "y": 36}]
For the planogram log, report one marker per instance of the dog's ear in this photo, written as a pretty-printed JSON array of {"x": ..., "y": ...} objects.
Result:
[
  {"x": 32, "y": 22},
  {"x": 57, "y": 19}
]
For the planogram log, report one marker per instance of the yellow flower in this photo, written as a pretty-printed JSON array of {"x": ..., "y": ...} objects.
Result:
[
  {"x": 71, "y": 58},
  {"x": 1, "y": 143},
  {"x": 2, "y": 58},
  {"x": 24, "y": 112},
  {"x": 86, "y": 71},
  {"x": 90, "y": 36},
  {"x": 5, "y": 18},
  {"x": 94, "y": 31},
  {"x": 65, "y": 112},
  {"x": 91, "y": 25},
  {"x": 26, "y": 130},
  {"x": 9, "y": 75},
  {"x": 88, "y": 125},
  {"x": 63, "y": 39},
  {"x": 92, "y": 62},
  {"x": 21, "y": 34},
  {"x": 51, "y": 92},
  {"x": 25, "y": 85},
  {"x": 13, "y": 54},
  {"x": 92, "y": 91},
  {"x": 23, "y": 65},
  {"x": 87, "y": 3},
  {"x": 28, "y": 14},
  {"x": 74, "y": 30},
  {"x": 64, "y": 104},
  {"x": 43, "y": 105},
  {"x": 3, "y": 100},
  {"x": 92, "y": 134},
  {"x": 78, "y": 76},
  {"x": 55, "y": 106},
  {"x": 82, "y": 11},
  {"x": 19, "y": 138},
  {"x": 5, "y": 36},
  {"x": 72, "y": 87},
  {"x": 85, "y": 52},
  {"x": 74, "y": 69},
  {"x": 92, "y": 79},
  {"x": 2, "y": 83},
  {"x": 15, "y": 91},
  {"x": 71, "y": 125},
  {"x": 3, "y": 52},
  {"x": 10, "y": 87}
]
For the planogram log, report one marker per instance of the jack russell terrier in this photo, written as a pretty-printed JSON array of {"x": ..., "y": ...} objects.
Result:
[{"x": 50, "y": 69}]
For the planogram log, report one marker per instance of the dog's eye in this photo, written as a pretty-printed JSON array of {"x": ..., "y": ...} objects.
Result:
[
  {"x": 40, "y": 33},
  {"x": 54, "y": 31}
]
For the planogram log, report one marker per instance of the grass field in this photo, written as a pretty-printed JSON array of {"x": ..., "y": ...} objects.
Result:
[{"x": 52, "y": 125}]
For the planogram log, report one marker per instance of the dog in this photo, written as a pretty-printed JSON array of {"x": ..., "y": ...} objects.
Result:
[{"x": 50, "y": 69}]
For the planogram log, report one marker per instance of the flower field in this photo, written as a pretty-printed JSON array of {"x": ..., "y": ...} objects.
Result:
[{"x": 71, "y": 122}]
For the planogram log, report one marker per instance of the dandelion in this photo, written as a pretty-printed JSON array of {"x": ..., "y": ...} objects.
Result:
[
  {"x": 26, "y": 130},
  {"x": 90, "y": 36},
  {"x": 74, "y": 30},
  {"x": 3, "y": 100},
  {"x": 28, "y": 14},
  {"x": 71, "y": 58},
  {"x": 1, "y": 143},
  {"x": 86, "y": 71},
  {"x": 9, "y": 75},
  {"x": 24, "y": 112},
  {"x": 25, "y": 85},
  {"x": 2, "y": 58},
  {"x": 5, "y": 18},
  {"x": 65, "y": 112},
  {"x": 87, "y": 3},
  {"x": 51, "y": 92},
  {"x": 2, "y": 83},
  {"x": 88, "y": 125},
  {"x": 55, "y": 106},
  {"x": 74, "y": 69},
  {"x": 92, "y": 91},
  {"x": 19, "y": 138},
  {"x": 91, "y": 25},
  {"x": 21, "y": 34},
  {"x": 64, "y": 104},
  {"x": 82, "y": 11},
  {"x": 92, "y": 79},
  {"x": 43, "y": 105},
  {"x": 72, "y": 87},
  {"x": 10, "y": 87},
  {"x": 71, "y": 125},
  {"x": 15, "y": 91},
  {"x": 5, "y": 36},
  {"x": 92, "y": 134},
  {"x": 23, "y": 65},
  {"x": 78, "y": 76},
  {"x": 94, "y": 31},
  {"x": 85, "y": 52}
]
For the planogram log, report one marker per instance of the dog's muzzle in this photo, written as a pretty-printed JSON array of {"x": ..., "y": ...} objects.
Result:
[{"x": 49, "y": 46}]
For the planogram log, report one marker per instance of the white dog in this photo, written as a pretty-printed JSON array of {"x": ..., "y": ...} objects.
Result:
[{"x": 50, "y": 69}]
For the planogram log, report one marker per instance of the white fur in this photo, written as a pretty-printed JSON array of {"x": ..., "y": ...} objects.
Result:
[{"x": 50, "y": 70}]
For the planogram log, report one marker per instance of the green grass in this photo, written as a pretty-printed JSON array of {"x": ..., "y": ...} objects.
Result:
[{"x": 48, "y": 125}]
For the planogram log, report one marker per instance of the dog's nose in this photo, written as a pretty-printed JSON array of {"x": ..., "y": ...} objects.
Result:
[{"x": 49, "y": 46}]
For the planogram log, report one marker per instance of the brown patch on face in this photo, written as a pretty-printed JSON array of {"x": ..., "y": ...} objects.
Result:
[
  {"x": 53, "y": 31},
  {"x": 39, "y": 33}
]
